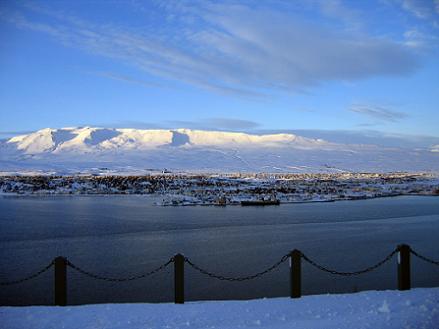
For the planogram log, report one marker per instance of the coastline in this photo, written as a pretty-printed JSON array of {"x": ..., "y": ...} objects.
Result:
[{"x": 154, "y": 197}]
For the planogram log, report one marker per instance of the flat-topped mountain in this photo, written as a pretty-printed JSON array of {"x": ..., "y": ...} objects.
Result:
[
  {"x": 90, "y": 139},
  {"x": 89, "y": 148}
]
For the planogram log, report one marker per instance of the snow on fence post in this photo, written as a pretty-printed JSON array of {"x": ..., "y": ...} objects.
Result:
[
  {"x": 295, "y": 273},
  {"x": 60, "y": 281},
  {"x": 179, "y": 279},
  {"x": 403, "y": 267}
]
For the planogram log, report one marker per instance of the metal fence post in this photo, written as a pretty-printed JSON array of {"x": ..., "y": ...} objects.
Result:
[
  {"x": 179, "y": 279},
  {"x": 295, "y": 273},
  {"x": 60, "y": 281},
  {"x": 403, "y": 267}
]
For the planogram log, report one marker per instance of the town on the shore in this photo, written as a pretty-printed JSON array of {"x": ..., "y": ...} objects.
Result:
[{"x": 176, "y": 189}]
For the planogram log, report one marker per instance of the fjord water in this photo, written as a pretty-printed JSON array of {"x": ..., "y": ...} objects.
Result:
[{"x": 120, "y": 236}]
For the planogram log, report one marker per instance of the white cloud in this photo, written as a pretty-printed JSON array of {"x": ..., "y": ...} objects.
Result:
[{"x": 235, "y": 49}]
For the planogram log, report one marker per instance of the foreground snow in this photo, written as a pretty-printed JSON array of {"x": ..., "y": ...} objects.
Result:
[{"x": 417, "y": 308}]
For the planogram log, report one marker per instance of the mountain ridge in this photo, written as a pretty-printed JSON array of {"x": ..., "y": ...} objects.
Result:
[
  {"x": 88, "y": 138},
  {"x": 83, "y": 149}
]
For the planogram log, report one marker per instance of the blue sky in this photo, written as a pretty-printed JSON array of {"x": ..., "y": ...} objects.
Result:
[{"x": 356, "y": 66}]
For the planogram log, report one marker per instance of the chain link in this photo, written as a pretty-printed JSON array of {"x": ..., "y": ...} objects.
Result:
[
  {"x": 369, "y": 269},
  {"x": 101, "y": 277},
  {"x": 242, "y": 278},
  {"x": 428, "y": 260},
  {"x": 30, "y": 277}
]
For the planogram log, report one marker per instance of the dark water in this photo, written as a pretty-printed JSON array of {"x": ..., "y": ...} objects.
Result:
[{"x": 128, "y": 235}]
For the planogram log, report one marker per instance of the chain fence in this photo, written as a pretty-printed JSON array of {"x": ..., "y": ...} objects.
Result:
[
  {"x": 110, "y": 279},
  {"x": 29, "y": 277},
  {"x": 242, "y": 278},
  {"x": 217, "y": 276}
]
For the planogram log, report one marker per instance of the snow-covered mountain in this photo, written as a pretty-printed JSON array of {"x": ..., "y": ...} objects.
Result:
[
  {"x": 85, "y": 148},
  {"x": 89, "y": 139}
]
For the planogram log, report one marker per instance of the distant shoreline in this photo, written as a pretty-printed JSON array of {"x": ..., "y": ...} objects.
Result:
[
  {"x": 223, "y": 190},
  {"x": 152, "y": 196}
]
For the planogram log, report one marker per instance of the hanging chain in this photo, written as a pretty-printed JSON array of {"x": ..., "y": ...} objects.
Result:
[
  {"x": 428, "y": 260},
  {"x": 101, "y": 277},
  {"x": 242, "y": 278},
  {"x": 369, "y": 269},
  {"x": 29, "y": 277}
]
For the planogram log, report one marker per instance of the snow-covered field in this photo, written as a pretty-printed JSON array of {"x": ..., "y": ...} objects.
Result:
[{"x": 416, "y": 309}]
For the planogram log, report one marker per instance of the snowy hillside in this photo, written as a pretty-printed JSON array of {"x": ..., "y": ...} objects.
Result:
[{"x": 69, "y": 150}]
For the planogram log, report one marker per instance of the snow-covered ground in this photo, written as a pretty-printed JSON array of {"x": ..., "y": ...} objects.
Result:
[{"x": 416, "y": 309}]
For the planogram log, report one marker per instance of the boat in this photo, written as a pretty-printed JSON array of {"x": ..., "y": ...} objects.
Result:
[
  {"x": 260, "y": 203},
  {"x": 221, "y": 201}
]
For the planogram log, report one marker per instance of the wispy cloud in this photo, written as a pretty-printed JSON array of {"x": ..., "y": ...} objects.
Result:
[
  {"x": 366, "y": 125},
  {"x": 216, "y": 124},
  {"x": 127, "y": 124},
  {"x": 416, "y": 39},
  {"x": 231, "y": 123},
  {"x": 364, "y": 136},
  {"x": 127, "y": 79},
  {"x": 419, "y": 8},
  {"x": 233, "y": 49},
  {"x": 378, "y": 112},
  {"x": 338, "y": 10},
  {"x": 426, "y": 10}
]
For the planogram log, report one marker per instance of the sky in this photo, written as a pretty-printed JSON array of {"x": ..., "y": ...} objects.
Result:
[{"x": 347, "y": 67}]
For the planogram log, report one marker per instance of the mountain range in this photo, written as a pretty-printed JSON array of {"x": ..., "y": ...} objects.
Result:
[{"x": 93, "y": 149}]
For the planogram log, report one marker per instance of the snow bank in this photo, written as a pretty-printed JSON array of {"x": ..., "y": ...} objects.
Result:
[{"x": 417, "y": 308}]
